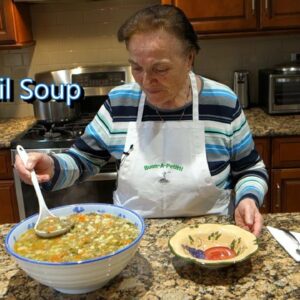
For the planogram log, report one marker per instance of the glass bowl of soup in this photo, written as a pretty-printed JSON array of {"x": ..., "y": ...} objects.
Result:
[{"x": 100, "y": 245}]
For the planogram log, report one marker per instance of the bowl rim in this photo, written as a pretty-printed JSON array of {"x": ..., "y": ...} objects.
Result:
[{"x": 28, "y": 260}]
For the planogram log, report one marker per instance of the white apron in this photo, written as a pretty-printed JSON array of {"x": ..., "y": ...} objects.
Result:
[{"x": 165, "y": 171}]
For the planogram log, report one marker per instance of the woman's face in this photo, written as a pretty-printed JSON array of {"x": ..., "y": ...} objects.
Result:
[{"x": 159, "y": 66}]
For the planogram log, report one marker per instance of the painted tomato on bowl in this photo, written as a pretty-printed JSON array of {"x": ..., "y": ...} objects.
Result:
[{"x": 219, "y": 252}]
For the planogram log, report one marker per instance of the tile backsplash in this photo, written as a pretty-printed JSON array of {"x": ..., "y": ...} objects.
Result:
[{"x": 84, "y": 33}]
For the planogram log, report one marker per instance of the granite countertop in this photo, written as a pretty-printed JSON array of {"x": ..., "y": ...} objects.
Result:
[
  {"x": 260, "y": 123},
  {"x": 263, "y": 124},
  {"x": 155, "y": 273},
  {"x": 10, "y": 128}
]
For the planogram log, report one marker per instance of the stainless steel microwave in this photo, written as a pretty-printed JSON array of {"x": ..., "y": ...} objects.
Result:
[{"x": 279, "y": 89}]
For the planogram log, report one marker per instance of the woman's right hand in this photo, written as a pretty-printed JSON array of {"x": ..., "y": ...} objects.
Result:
[{"x": 42, "y": 164}]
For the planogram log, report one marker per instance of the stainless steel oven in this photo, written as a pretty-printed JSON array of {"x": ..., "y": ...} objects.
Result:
[{"x": 57, "y": 137}]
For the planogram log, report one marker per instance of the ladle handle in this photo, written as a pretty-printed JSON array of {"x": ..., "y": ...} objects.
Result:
[{"x": 24, "y": 156}]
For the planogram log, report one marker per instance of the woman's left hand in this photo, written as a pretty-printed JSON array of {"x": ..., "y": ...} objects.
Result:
[{"x": 248, "y": 216}]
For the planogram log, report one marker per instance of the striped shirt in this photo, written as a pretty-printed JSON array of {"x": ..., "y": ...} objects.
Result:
[{"x": 232, "y": 159}]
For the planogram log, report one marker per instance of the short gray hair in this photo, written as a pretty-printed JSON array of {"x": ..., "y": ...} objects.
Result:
[{"x": 166, "y": 17}]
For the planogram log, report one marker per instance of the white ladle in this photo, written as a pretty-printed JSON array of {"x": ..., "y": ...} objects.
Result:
[{"x": 65, "y": 225}]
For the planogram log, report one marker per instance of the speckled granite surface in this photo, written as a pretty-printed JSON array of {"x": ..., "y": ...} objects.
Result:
[
  {"x": 263, "y": 124},
  {"x": 154, "y": 273},
  {"x": 10, "y": 128}
]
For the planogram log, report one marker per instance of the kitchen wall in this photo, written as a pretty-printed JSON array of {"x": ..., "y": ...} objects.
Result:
[
  {"x": 67, "y": 35},
  {"x": 219, "y": 58},
  {"x": 84, "y": 33}
]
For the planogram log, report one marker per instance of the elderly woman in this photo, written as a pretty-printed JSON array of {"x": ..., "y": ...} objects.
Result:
[{"x": 183, "y": 141}]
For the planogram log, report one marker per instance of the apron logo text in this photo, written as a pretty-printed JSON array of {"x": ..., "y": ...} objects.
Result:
[{"x": 163, "y": 166}]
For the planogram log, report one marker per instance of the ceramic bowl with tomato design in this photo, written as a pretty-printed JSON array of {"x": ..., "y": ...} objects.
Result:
[{"x": 213, "y": 245}]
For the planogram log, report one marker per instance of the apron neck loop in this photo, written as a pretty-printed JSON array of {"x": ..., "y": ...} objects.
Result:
[
  {"x": 141, "y": 107},
  {"x": 195, "y": 94}
]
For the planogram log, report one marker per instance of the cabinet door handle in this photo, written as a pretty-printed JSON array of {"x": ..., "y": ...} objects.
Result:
[
  {"x": 278, "y": 193},
  {"x": 253, "y": 7},
  {"x": 266, "y": 5}
]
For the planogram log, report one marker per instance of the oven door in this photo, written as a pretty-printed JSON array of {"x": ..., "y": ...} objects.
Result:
[
  {"x": 284, "y": 93},
  {"x": 96, "y": 189}
]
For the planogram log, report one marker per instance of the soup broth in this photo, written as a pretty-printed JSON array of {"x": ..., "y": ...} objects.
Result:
[{"x": 93, "y": 235}]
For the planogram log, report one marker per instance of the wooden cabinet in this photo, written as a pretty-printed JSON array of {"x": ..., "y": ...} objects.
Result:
[
  {"x": 218, "y": 16},
  {"x": 8, "y": 202},
  {"x": 285, "y": 190},
  {"x": 9, "y": 210},
  {"x": 5, "y": 165},
  {"x": 276, "y": 14},
  {"x": 282, "y": 158},
  {"x": 15, "y": 31},
  {"x": 229, "y": 17},
  {"x": 285, "y": 176},
  {"x": 286, "y": 152},
  {"x": 262, "y": 145}
]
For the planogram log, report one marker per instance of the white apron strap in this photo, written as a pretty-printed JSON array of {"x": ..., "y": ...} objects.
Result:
[
  {"x": 195, "y": 93},
  {"x": 140, "y": 108}
]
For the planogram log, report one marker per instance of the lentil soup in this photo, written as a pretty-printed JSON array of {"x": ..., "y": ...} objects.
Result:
[{"x": 93, "y": 235}]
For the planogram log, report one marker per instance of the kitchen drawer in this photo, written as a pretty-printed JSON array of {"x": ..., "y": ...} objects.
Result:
[
  {"x": 5, "y": 165},
  {"x": 286, "y": 152},
  {"x": 285, "y": 190}
]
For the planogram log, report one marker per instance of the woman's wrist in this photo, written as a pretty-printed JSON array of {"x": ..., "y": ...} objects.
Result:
[
  {"x": 250, "y": 197},
  {"x": 52, "y": 167},
  {"x": 54, "y": 171}
]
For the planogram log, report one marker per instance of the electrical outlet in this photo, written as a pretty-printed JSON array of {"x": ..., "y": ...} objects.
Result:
[{"x": 295, "y": 57}]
